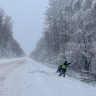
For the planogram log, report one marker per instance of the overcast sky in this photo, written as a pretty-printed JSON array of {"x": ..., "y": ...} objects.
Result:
[{"x": 28, "y": 17}]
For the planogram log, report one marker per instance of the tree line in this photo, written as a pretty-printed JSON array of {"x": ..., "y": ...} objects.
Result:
[
  {"x": 9, "y": 47},
  {"x": 69, "y": 34}
]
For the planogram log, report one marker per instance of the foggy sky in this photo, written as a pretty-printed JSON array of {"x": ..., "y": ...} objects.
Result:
[{"x": 28, "y": 17}]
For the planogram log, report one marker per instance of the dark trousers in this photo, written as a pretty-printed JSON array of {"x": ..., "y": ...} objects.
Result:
[
  {"x": 59, "y": 70},
  {"x": 63, "y": 72}
]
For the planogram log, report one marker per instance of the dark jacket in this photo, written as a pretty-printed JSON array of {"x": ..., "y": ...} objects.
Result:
[{"x": 59, "y": 68}]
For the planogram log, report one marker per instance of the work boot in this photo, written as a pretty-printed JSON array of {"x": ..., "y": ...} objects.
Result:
[{"x": 60, "y": 74}]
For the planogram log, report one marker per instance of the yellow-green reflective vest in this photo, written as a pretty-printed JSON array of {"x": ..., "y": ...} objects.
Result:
[
  {"x": 64, "y": 67},
  {"x": 59, "y": 67}
]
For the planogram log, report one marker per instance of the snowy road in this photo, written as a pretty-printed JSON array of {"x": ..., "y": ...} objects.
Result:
[{"x": 25, "y": 77}]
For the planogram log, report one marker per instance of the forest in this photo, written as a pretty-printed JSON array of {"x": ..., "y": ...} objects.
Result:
[
  {"x": 69, "y": 33},
  {"x": 9, "y": 47}
]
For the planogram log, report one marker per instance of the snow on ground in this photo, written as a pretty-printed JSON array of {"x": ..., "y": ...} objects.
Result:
[
  {"x": 6, "y": 67},
  {"x": 30, "y": 78}
]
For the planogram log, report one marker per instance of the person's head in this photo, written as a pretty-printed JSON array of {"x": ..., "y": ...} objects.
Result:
[{"x": 65, "y": 61}]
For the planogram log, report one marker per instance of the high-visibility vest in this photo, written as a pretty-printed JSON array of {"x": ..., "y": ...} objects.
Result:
[
  {"x": 64, "y": 66},
  {"x": 59, "y": 67}
]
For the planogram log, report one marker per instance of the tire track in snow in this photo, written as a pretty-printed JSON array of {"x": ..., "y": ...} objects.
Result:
[{"x": 7, "y": 68}]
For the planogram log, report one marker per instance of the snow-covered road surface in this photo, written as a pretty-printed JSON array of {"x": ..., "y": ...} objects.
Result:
[{"x": 26, "y": 77}]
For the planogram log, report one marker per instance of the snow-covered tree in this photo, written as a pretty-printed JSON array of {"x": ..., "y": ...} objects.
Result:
[
  {"x": 9, "y": 48},
  {"x": 70, "y": 34}
]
